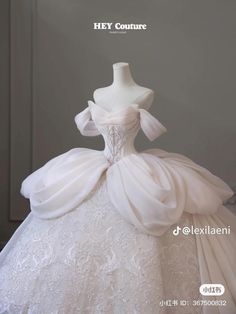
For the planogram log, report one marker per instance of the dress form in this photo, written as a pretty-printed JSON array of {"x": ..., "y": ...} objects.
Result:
[
  {"x": 103, "y": 223},
  {"x": 123, "y": 91}
]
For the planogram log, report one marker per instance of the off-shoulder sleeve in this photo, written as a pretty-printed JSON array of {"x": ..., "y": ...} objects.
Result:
[
  {"x": 151, "y": 127},
  {"x": 85, "y": 124}
]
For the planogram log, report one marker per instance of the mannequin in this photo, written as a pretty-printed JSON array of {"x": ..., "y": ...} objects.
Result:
[
  {"x": 123, "y": 91},
  {"x": 103, "y": 223}
]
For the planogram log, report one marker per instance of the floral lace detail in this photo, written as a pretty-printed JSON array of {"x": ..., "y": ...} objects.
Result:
[
  {"x": 92, "y": 261},
  {"x": 118, "y": 139}
]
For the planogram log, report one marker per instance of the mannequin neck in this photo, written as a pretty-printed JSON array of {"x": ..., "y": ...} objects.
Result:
[{"x": 121, "y": 75}]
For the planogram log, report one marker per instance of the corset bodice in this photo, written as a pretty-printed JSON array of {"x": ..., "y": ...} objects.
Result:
[
  {"x": 119, "y": 139},
  {"x": 118, "y": 128},
  {"x": 150, "y": 189}
]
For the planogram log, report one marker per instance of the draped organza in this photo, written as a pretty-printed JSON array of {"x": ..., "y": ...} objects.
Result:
[{"x": 102, "y": 222}]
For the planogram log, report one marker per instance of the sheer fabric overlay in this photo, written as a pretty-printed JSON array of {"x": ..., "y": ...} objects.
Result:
[
  {"x": 92, "y": 261},
  {"x": 99, "y": 238}
]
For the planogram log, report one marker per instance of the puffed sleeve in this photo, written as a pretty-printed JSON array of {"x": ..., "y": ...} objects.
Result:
[
  {"x": 85, "y": 124},
  {"x": 151, "y": 127}
]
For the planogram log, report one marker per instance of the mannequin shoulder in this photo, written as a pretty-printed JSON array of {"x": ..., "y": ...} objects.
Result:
[
  {"x": 140, "y": 91},
  {"x": 136, "y": 94},
  {"x": 145, "y": 98},
  {"x": 147, "y": 93},
  {"x": 100, "y": 93}
]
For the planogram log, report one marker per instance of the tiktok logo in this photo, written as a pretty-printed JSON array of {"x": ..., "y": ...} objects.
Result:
[{"x": 176, "y": 231}]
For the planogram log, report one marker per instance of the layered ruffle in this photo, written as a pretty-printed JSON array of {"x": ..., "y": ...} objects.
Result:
[
  {"x": 64, "y": 182},
  {"x": 151, "y": 190}
]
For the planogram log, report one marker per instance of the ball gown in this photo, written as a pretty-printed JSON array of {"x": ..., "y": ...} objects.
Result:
[{"x": 101, "y": 235}]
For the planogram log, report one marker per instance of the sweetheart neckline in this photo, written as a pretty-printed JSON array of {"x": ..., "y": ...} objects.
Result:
[{"x": 133, "y": 105}]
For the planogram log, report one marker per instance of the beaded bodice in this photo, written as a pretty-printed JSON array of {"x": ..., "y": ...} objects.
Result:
[
  {"x": 119, "y": 140},
  {"x": 118, "y": 128}
]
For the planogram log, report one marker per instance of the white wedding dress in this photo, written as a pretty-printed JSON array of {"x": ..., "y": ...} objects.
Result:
[{"x": 99, "y": 238}]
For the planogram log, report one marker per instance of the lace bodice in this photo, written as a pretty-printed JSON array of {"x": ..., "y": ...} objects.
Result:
[
  {"x": 119, "y": 128},
  {"x": 118, "y": 140}
]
